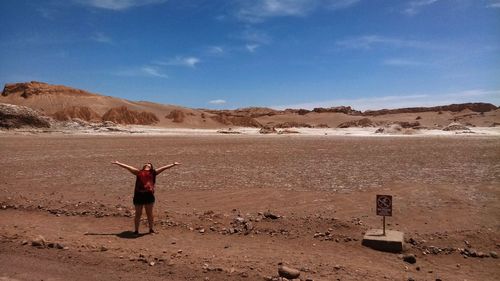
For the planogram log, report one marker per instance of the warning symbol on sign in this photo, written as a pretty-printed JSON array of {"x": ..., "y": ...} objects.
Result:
[{"x": 384, "y": 205}]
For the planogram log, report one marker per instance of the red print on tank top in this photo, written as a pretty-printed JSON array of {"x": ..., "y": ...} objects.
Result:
[{"x": 145, "y": 181}]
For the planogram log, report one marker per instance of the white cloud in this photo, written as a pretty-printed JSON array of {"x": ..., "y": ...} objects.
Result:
[
  {"x": 101, "y": 38},
  {"x": 218, "y": 101},
  {"x": 414, "y": 7},
  {"x": 403, "y": 62},
  {"x": 371, "y": 41},
  {"x": 252, "y": 47},
  {"x": 144, "y": 71},
  {"x": 215, "y": 50},
  {"x": 260, "y": 10},
  {"x": 400, "y": 101},
  {"x": 153, "y": 71},
  {"x": 180, "y": 61},
  {"x": 118, "y": 5}
]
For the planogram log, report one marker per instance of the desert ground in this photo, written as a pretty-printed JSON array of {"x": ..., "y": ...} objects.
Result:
[{"x": 213, "y": 211}]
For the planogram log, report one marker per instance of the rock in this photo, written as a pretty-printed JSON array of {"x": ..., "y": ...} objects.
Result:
[
  {"x": 14, "y": 117},
  {"x": 123, "y": 115},
  {"x": 38, "y": 241},
  {"x": 288, "y": 272},
  {"x": 103, "y": 248},
  {"x": 270, "y": 215},
  {"x": 410, "y": 258},
  {"x": 268, "y": 130},
  {"x": 202, "y": 231},
  {"x": 363, "y": 122},
  {"x": 494, "y": 254},
  {"x": 456, "y": 127}
]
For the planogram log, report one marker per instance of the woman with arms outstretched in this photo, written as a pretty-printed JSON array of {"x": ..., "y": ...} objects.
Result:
[{"x": 144, "y": 190}]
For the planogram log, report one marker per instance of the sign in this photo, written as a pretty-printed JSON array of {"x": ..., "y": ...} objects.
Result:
[{"x": 384, "y": 205}]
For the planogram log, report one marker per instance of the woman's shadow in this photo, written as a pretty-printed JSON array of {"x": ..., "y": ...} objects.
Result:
[{"x": 124, "y": 234}]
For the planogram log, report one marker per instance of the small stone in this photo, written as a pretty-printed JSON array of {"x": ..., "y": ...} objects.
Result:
[
  {"x": 410, "y": 258},
  {"x": 38, "y": 241},
  {"x": 494, "y": 254},
  {"x": 151, "y": 263},
  {"x": 179, "y": 251},
  {"x": 270, "y": 215},
  {"x": 202, "y": 230},
  {"x": 24, "y": 242},
  {"x": 288, "y": 272},
  {"x": 103, "y": 248}
]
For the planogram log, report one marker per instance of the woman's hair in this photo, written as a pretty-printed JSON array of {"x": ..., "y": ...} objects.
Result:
[{"x": 151, "y": 164}]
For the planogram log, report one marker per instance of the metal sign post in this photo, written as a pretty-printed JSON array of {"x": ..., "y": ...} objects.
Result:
[{"x": 384, "y": 208}]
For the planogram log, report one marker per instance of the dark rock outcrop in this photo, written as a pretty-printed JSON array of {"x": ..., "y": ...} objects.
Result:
[
  {"x": 80, "y": 112},
  {"x": 364, "y": 122},
  {"x": 476, "y": 107},
  {"x": 123, "y": 115},
  {"x": 28, "y": 89},
  {"x": 14, "y": 117},
  {"x": 177, "y": 116}
]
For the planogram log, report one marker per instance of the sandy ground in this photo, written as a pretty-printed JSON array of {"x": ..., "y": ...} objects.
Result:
[{"x": 209, "y": 211}]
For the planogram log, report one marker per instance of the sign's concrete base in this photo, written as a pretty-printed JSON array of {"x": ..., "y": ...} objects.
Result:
[{"x": 392, "y": 241}]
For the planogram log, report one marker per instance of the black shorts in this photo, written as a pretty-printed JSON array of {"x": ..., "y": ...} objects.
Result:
[{"x": 143, "y": 198}]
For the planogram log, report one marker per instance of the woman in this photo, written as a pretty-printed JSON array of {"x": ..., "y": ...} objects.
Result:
[{"x": 144, "y": 190}]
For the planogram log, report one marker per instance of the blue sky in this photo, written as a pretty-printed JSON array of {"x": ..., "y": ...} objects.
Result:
[{"x": 279, "y": 53}]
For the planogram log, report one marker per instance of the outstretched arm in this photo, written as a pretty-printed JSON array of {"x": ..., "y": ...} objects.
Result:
[
  {"x": 131, "y": 169},
  {"x": 161, "y": 169}
]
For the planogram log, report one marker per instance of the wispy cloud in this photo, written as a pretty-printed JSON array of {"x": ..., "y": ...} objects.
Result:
[
  {"x": 400, "y": 101},
  {"x": 144, "y": 71},
  {"x": 403, "y": 62},
  {"x": 217, "y": 102},
  {"x": 255, "y": 36},
  {"x": 371, "y": 41},
  {"x": 414, "y": 7},
  {"x": 493, "y": 4},
  {"x": 117, "y": 5},
  {"x": 215, "y": 50},
  {"x": 260, "y": 10},
  {"x": 153, "y": 71},
  {"x": 180, "y": 61},
  {"x": 101, "y": 38},
  {"x": 252, "y": 47}
]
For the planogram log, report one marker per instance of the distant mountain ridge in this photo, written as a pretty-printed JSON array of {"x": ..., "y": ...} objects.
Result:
[{"x": 65, "y": 103}]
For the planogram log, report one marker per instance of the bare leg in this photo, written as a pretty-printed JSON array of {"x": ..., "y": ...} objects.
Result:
[
  {"x": 138, "y": 214},
  {"x": 149, "y": 213}
]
